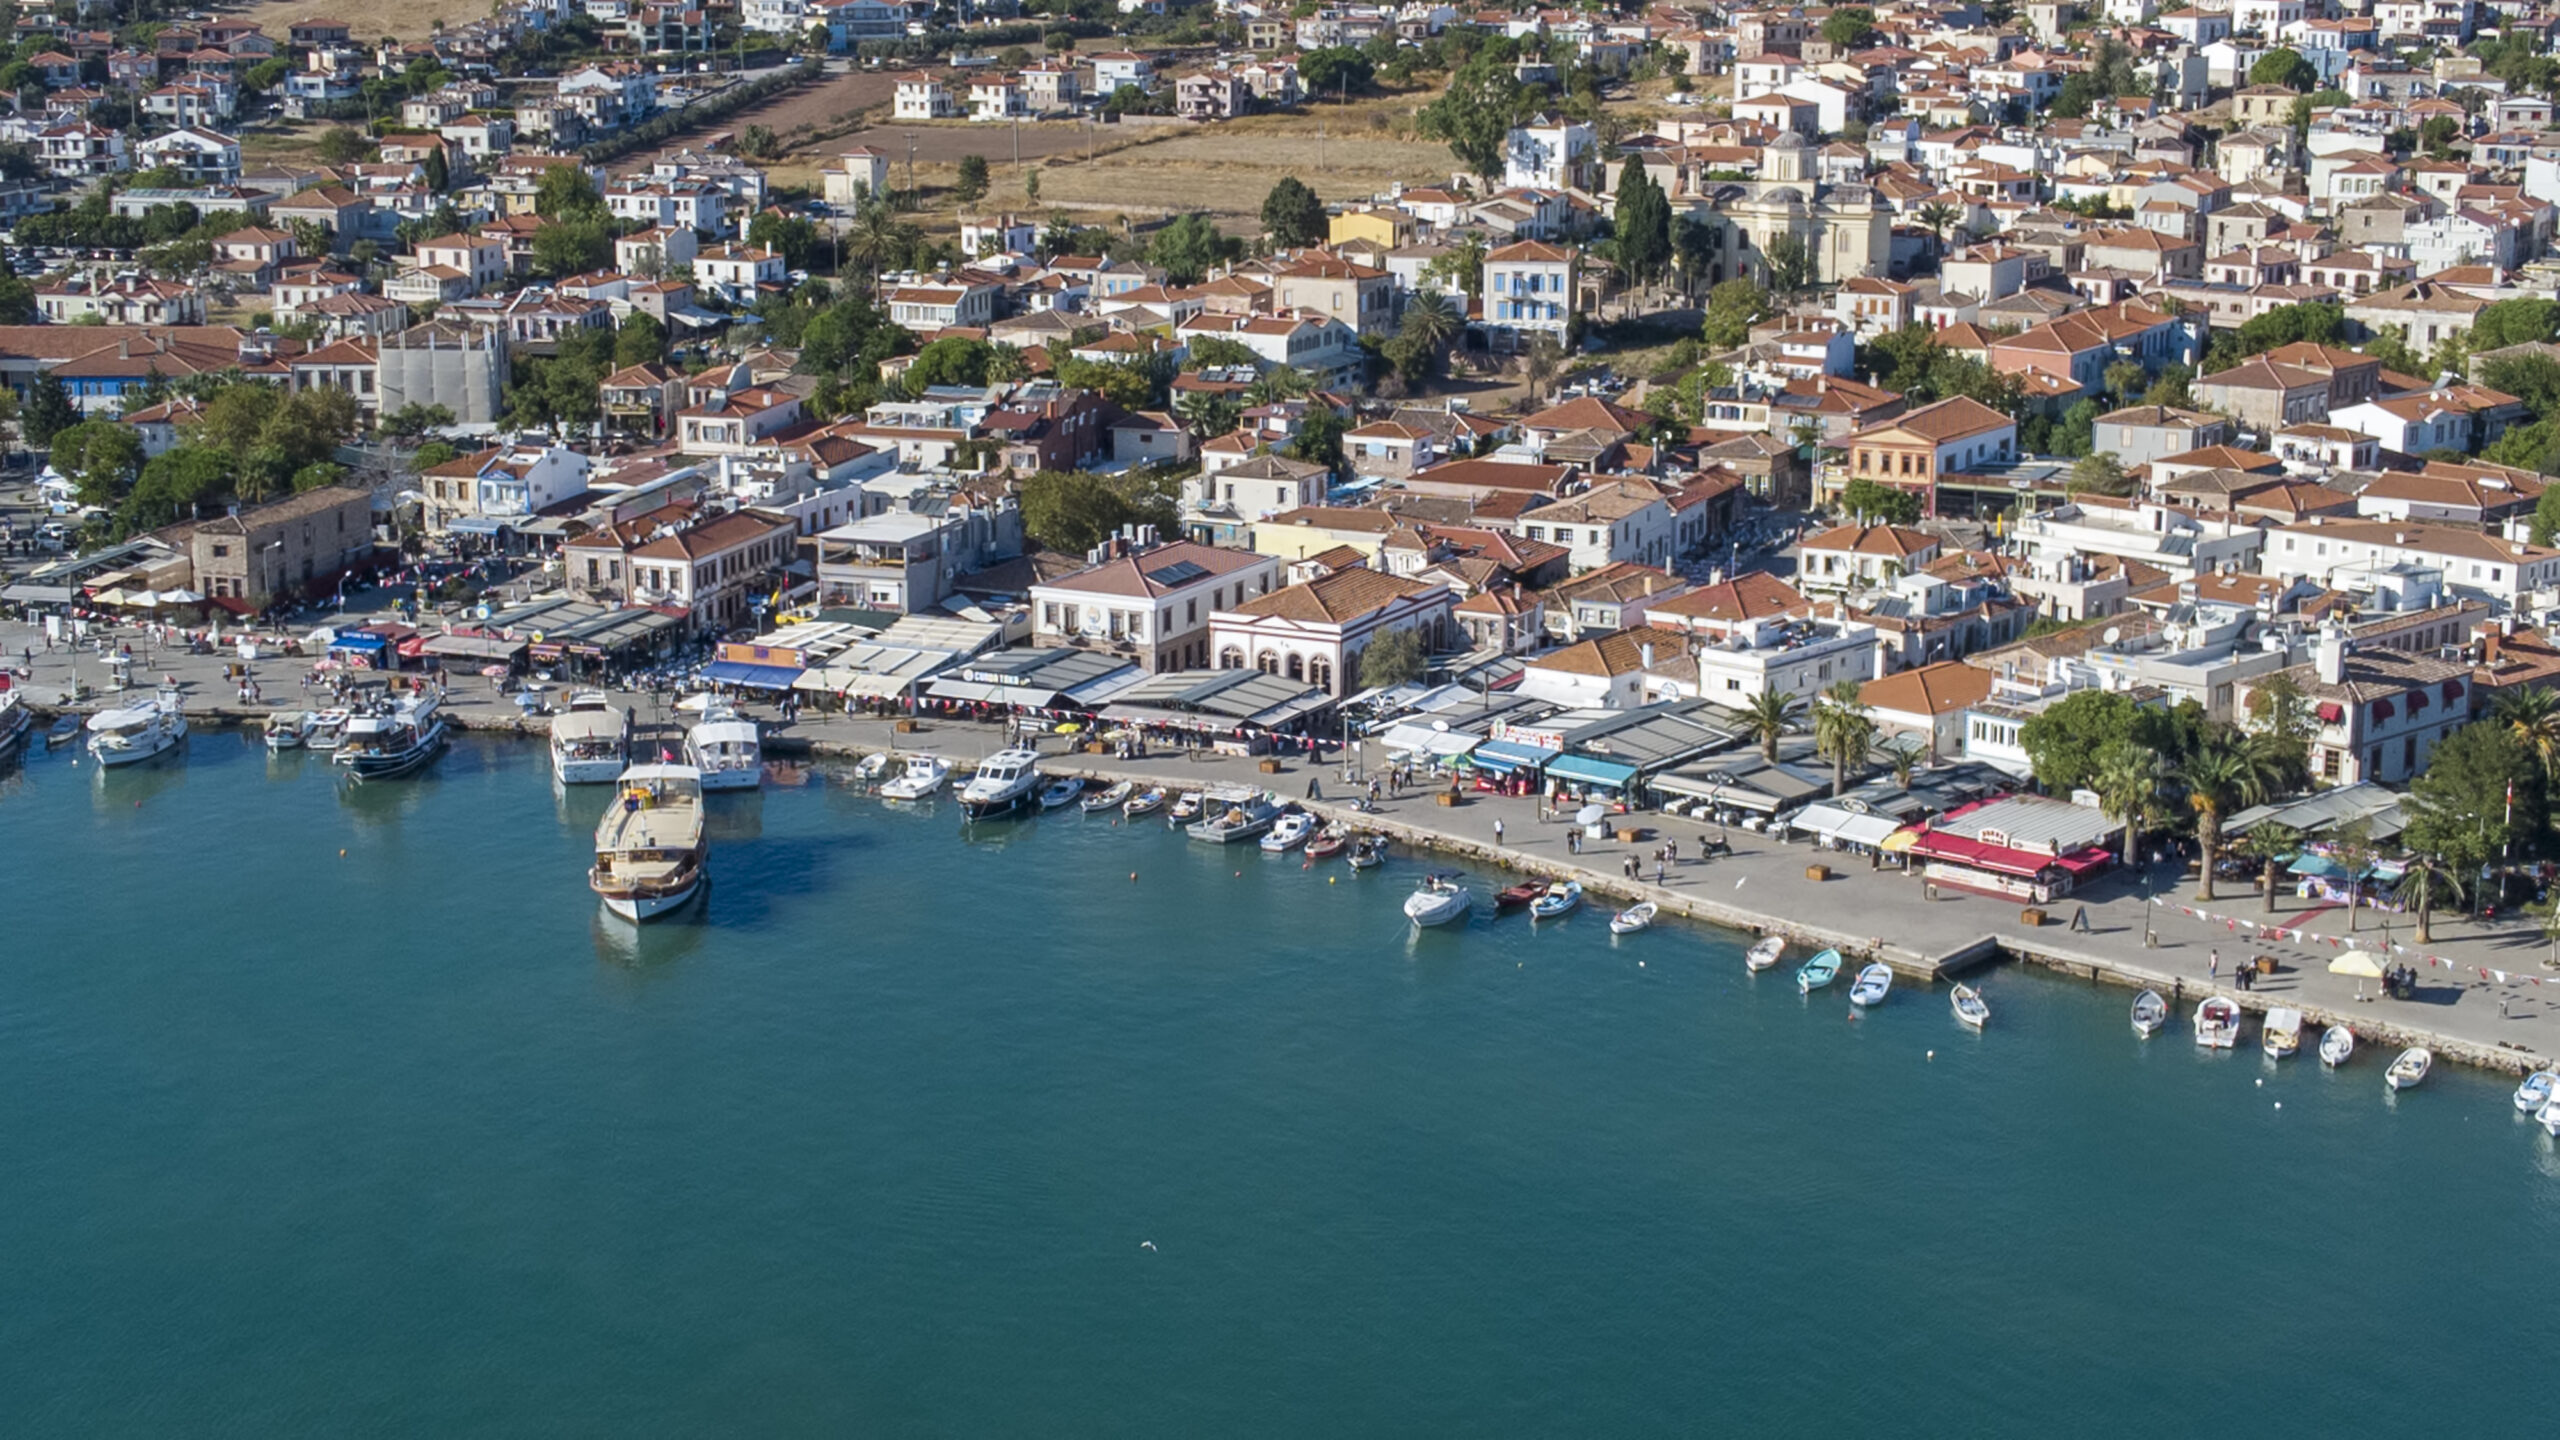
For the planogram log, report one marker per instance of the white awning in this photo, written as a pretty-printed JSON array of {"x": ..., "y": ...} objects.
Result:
[{"x": 1844, "y": 827}]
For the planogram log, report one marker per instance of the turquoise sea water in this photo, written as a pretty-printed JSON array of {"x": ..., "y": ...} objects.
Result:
[{"x": 415, "y": 1141}]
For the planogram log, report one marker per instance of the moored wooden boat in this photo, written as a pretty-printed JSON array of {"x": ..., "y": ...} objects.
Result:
[
  {"x": 1819, "y": 971},
  {"x": 2281, "y": 1033},
  {"x": 1765, "y": 952},
  {"x": 1061, "y": 791},
  {"x": 1872, "y": 985},
  {"x": 2336, "y": 1044},
  {"x": 2410, "y": 1070},
  {"x": 1186, "y": 808},
  {"x": 1514, "y": 897},
  {"x": 1329, "y": 841},
  {"x": 1145, "y": 802},
  {"x": 1367, "y": 853},
  {"x": 2538, "y": 1090},
  {"x": 1969, "y": 1006},
  {"x": 1558, "y": 902},
  {"x": 2150, "y": 1012},
  {"x": 1634, "y": 918},
  {"x": 1111, "y": 799}
]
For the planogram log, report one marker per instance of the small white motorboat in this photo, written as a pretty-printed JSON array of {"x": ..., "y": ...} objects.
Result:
[
  {"x": 1969, "y": 1006},
  {"x": 1440, "y": 901},
  {"x": 2410, "y": 1069},
  {"x": 2281, "y": 1034},
  {"x": 1558, "y": 902},
  {"x": 1288, "y": 832},
  {"x": 2538, "y": 1090},
  {"x": 2549, "y": 1119},
  {"x": 326, "y": 729},
  {"x": 923, "y": 776},
  {"x": 1111, "y": 799},
  {"x": 1367, "y": 852},
  {"x": 1060, "y": 792},
  {"x": 2150, "y": 1012},
  {"x": 874, "y": 768},
  {"x": 2217, "y": 1023},
  {"x": 1765, "y": 953},
  {"x": 2336, "y": 1044},
  {"x": 1872, "y": 984},
  {"x": 285, "y": 732},
  {"x": 1632, "y": 919}
]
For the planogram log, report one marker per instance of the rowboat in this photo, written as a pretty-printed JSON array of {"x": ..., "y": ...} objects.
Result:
[
  {"x": 873, "y": 769},
  {"x": 1145, "y": 802},
  {"x": 1872, "y": 984},
  {"x": 2217, "y": 1023},
  {"x": 65, "y": 730},
  {"x": 1632, "y": 919},
  {"x": 1558, "y": 902},
  {"x": 2536, "y": 1091},
  {"x": 1185, "y": 809},
  {"x": 1440, "y": 901},
  {"x": 1819, "y": 971},
  {"x": 2336, "y": 1044},
  {"x": 1060, "y": 792},
  {"x": 2150, "y": 1012},
  {"x": 1111, "y": 799},
  {"x": 1765, "y": 952},
  {"x": 1514, "y": 897},
  {"x": 2281, "y": 1034},
  {"x": 1969, "y": 1007},
  {"x": 2410, "y": 1069},
  {"x": 1368, "y": 852},
  {"x": 1329, "y": 841}
]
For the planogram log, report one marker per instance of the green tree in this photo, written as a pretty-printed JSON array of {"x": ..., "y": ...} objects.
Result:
[
  {"x": 1395, "y": 658},
  {"x": 2458, "y": 809},
  {"x": 1461, "y": 262},
  {"x": 1539, "y": 361},
  {"x": 1880, "y": 504},
  {"x": 565, "y": 192},
  {"x": 1126, "y": 386},
  {"x": 1843, "y": 731},
  {"x": 2127, "y": 782},
  {"x": 2515, "y": 322},
  {"x": 436, "y": 171},
  {"x": 1643, "y": 225},
  {"x": 1072, "y": 511},
  {"x": 1940, "y": 217},
  {"x": 1292, "y": 215},
  {"x": 1733, "y": 307},
  {"x": 2125, "y": 379},
  {"x": 1188, "y": 247},
  {"x": 101, "y": 457},
  {"x": 2438, "y": 135},
  {"x": 1319, "y": 438},
  {"x": 2322, "y": 322},
  {"x": 2064, "y": 740},
  {"x": 2098, "y": 474},
  {"x": 340, "y": 145},
  {"x": 2532, "y": 716},
  {"x": 2284, "y": 67},
  {"x": 1792, "y": 264},
  {"x": 1849, "y": 27},
  {"x": 1765, "y": 719},
  {"x": 2351, "y": 848},
  {"x": 640, "y": 341},
  {"x": 17, "y": 301},
  {"x": 2425, "y": 884},
  {"x": 572, "y": 247},
  {"x": 972, "y": 185},
  {"x": 2270, "y": 843},
  {"x": 1334, "y": 69},
  {"x": 48, "y": 411},
  {"x": 953, "y": 361},
  {"x": 1475, "y": 114}
]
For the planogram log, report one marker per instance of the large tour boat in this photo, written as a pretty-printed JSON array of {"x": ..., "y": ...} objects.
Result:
[
  {"x": 1004, "y": 785},
  {"x": 650, "y": 846},
  {"x": 727, "y": 748},
  {"x": 131, "y": 734},
  {"x": 399, "y": 739},
  {"x": 591, "y": 740}
]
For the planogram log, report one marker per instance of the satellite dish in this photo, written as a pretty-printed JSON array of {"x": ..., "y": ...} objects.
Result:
[{"x": 2114, "y": 635}]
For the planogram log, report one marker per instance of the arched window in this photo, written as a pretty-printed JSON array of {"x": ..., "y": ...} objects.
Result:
[
  {"x": 1320, "y": 675},
  {"x": 1297, "y": 668},
  {"x": 1231, "y": 658},
  {"x": 1269, "y": 663}
]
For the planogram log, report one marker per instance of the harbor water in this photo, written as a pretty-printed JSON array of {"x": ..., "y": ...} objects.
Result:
[{"x": 333, "y": 1113}]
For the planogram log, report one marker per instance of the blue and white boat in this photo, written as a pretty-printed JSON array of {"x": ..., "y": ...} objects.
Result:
[
  {"x": 1558, "y": 902},
  {"x": 1819, "y": 971},
  {"x": 1872, "y": 985},
  {"x": 2537, "y": 1091}
]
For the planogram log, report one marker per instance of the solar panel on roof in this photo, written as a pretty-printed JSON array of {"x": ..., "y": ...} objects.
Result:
[{"x": 1180, "y": 572}]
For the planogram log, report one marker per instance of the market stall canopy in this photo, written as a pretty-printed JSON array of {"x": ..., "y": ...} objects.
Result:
[{"x": 2358, "y": 963}]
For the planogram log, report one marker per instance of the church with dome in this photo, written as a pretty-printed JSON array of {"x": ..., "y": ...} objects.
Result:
[{"x": 1846, "y": 228}]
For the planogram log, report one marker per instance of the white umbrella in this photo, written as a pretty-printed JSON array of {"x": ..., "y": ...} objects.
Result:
[
  {"x": 1591, "y": 815},
  {"x": 180, "y": 596}
]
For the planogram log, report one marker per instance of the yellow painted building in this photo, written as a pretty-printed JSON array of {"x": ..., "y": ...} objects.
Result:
[{"x": 1388, "y": 229}]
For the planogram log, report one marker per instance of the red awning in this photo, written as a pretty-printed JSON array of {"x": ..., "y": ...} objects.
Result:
[
  {"x": 2005, "y": 859},
  {"x": 2331, "y": 712}
]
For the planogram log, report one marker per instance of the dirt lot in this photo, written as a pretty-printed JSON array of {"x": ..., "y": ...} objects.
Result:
[
  {"x": 406, "y": 19},
  {"x": 1227, "y": 171}
]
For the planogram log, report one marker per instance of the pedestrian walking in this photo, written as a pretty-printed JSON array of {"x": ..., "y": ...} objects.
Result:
[
  {"x": 1497, "y": 830},
  {"x": 2502, "y": 1007},
  {"x": 1573, "y": 842},
  {"x": 1657, "y": 869},
  {"x": 2213, "y": 965}
]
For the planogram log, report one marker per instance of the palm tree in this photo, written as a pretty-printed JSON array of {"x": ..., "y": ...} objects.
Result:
[
  {"x": 1938, "y": 215},
  {"x": 873, "y": 238},
  {"x": 2127, "y": 782},
  {"x": 2533, "y": 717},
  {"x": 1281, "y": 382},
  {"x": 1431, "y": 320},
  {"x": 1842, "y": 730},
  {"x": 2352, "y": 848},
  {"x": 2223, "y": 775},
  {"x": 2547, "y": 911},
  {"x": 1765, "y": 719},
  {"x": 2271, "y": 843},
  {"x": 1904, "y": 758},
  {"x": 2424, "y": 885}
]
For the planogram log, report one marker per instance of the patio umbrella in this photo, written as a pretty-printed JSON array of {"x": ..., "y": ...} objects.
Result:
[
  {"x": 1590, "y": 814},
  {"x": 2357, "y": 963},
  {"x": 112, "y": 595},
  {"x": 494, "y": 672},
  {"x": 180, "y": 596}
]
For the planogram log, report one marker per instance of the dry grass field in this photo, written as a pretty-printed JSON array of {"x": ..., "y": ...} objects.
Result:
[{"x": 406, "y": 19}]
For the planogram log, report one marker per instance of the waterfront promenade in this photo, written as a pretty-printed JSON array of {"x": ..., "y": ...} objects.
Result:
[{"x": 1763, "y": 884}]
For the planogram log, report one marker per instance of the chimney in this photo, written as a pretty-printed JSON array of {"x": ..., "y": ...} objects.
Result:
[
  {"x": 2489, "y": 650},
  {"x": 2331, "y": 655}
]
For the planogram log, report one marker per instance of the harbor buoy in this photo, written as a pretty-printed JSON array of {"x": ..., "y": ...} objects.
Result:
[
  {"x": 1133, "y": 875},
  {"x": 2262, "y": 1084},
  {"x": 1933, "y": 1054},
  {"x": 342, "y": 854},
  {"x": 2279, "y": 1104}
]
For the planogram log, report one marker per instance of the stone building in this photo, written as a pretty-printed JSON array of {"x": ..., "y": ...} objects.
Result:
[{"x": 247, "y": 561}]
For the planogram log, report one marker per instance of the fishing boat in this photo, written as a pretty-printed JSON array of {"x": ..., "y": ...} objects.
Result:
[
  {"x": 874, "y": 768},
  {"x": 1186, "y": 808},
  {"x": 1233, "y": 814},
  {"x": 1003, "y": 785},
  {"x": 401, "y": 739},
  {"x": 2217, "y": 1023},
  {"x": 1518, "y": 897},
  {"x": 922, "y": 777},
  {"x": 1969, "y": 1007},
  {"x": 1145, "y": 802},
  {"x": 1872, "y": 985},
  {"x": 2410, "y": 1070},
  {"x": 327, "y": 730},
  {"x": 2336, "y": 1044},
  {"x": 1819, "y": 971},
  {"x": 1440, "y": 901},
  {"x": 1063, "y": 791},
  {"x": 134, "y": 733},
  {"x": 1635, "y": 917},
  {"x": 2150, "y": 1012},
  {"x": 2538, "y": 1090},
  {"x": 2549, "y": 1119},
  {"x": 590, "y": 740},
  {"x": 1329, "y": 841},
  {"x": 1111, "y": 799},
  {"x": 729, "y": 750},
  {"x": 2281, "y": 1034},
  {"x": 1289, "y": 832},
  {"x": 649, "y": 845},
  {"x": 286, "y": 732},
  {"x": 1368, "y": 852},
  {"x": 66, "y": 728},
  {"x": 1558, "y": 902},
  {"x": 1765, "y": 952}
]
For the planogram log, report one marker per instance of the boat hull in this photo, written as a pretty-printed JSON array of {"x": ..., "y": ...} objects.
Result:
[
  {"x": 745, "y": 777},
  {"x": 595, "y": 771},
  {"x": 1000, "y": 808},
  {"x": 637, "y": 905},
  {"x": 399, "y": 764},
  {"x": 115, "y": 755}
]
